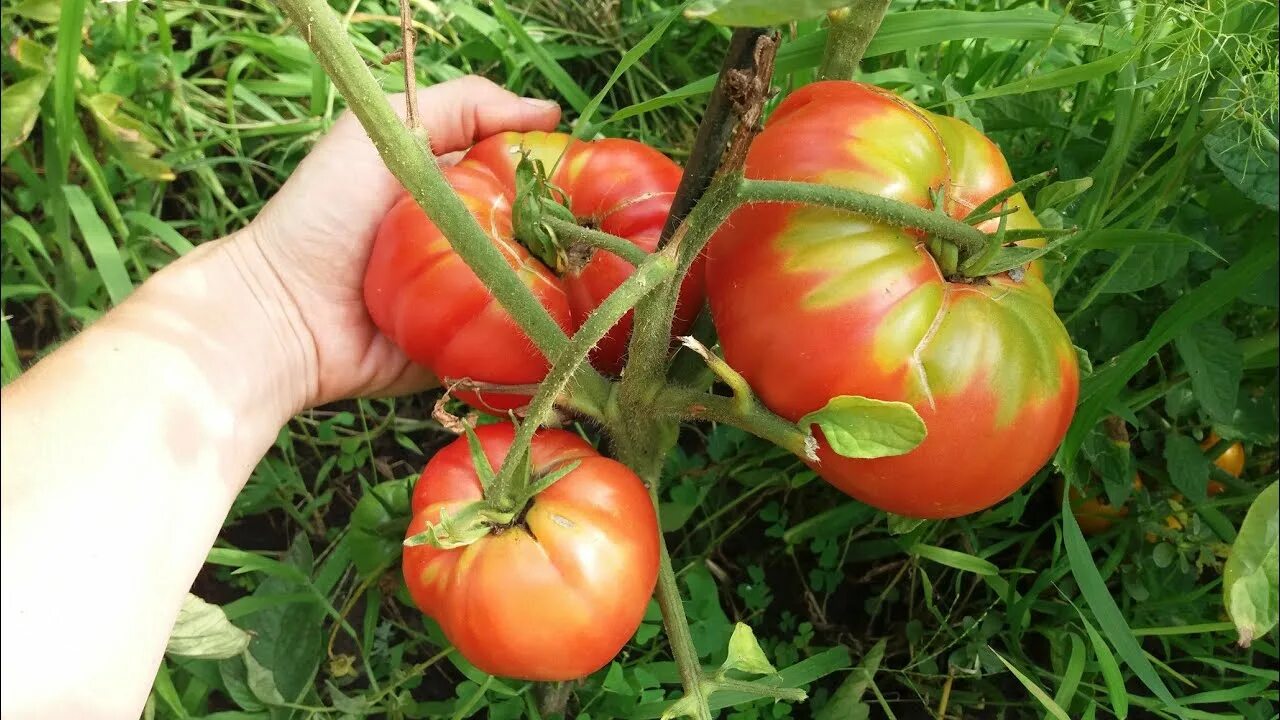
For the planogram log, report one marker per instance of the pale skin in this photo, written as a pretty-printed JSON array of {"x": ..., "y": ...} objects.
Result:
[{"x": 123, "y": 449}]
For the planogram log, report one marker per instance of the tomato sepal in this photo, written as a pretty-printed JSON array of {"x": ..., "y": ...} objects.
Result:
[{"x": 474, "y": 521}]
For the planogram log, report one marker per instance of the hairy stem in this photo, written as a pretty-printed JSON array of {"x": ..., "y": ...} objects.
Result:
[
  {"x": 848, "y": 36},
  {"x": 677, "y": 626},
  {"x": 408, "y": 156},
  {"x": 691, "y": 404},
  {"x": 760, "y": 689},
  {"x": 507, "y": 492},
  {"x": 967, "y": 239},
  {"x": 573, "y": 234}
]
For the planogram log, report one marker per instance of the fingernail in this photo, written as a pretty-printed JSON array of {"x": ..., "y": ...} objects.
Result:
[{"x": 540, "y": 103}]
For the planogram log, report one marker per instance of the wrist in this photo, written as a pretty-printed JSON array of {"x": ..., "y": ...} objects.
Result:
[{"x": 226, "y": 308}]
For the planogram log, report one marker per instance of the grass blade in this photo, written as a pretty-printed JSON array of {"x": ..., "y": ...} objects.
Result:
[
  {"x": 1035, "y": 690},
  {"x": 102, "y": 248},
  {"x": 571, "y": 90},
  {"x": 1104, "y": 607}
]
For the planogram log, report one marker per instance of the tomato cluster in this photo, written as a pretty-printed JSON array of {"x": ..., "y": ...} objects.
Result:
[
  {"x": 422, "y": 295},
  {"x": 810, "y": 303}
]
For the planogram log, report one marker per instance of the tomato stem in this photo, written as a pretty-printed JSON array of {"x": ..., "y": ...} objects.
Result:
[
  {"x": 408, "y": 156},
  {"x": 688, "y": 403},
  {"x": 967, "y": 240},
  {"x": 677, "y": 626},
  {"x": 848, "y": 36},
  {"x": 570, "y": 234},
  {"x": 509, "y": 489}
]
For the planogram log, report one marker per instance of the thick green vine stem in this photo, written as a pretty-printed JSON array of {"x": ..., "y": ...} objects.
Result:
[
  {"x": 848, "y": 36},
  {"x": 508, "y": 492},
  {"x": 968, "y": 240},
  {"x": 677, "y": 626},
  {"x": 688, "y": 403},
  {"x": 572, "y": 234},
  {"x": 409, "y": 158}
]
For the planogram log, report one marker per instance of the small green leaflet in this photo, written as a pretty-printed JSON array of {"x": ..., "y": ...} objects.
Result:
[
  {"x": 759, "y": 13},
  {"x": 1189, "y": 467},
  {"x": 203, "y": 632},
  {"x": 1215, "y": 364},
  {"x": 1250, "y": 582},
  {"x": 1060, "y": 194},
  {"x": 745, "y": 653},
  {"x": 860, "y": 427}
]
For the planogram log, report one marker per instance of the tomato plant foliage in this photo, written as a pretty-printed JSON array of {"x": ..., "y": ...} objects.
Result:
[{"x": 173, "y": 124}]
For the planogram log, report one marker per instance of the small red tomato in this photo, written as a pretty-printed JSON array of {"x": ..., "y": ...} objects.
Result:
[
  {"x": 556, "y": 595},
  {"x": 422, "y": 295}
]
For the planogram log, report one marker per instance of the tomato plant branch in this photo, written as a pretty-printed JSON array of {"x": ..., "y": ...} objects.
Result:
[
  {"x": 688, "y": 403},
  {"x": 761, "y": 689},
  {"x": 408, "y": 156},
  {"x": 967, "y": 239},
  {"x": 571, "y": 234},
  {"x": 677, "y": 626},
  {"x": 848, "y": 36},
  {"x": 509, "y": 489}
]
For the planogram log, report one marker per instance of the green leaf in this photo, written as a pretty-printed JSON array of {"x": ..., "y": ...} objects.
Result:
[
  {"x": 901, "y": 524},
  {"x": 955, "y": 559},
  {"x": 631, "y": 57},
  {"x": 912, "y": 30},
  {"x": 1099, "y": 390},
  {"x": 538, "y": 55},
  {"x": 745, "y": 653},
  {"x": 1104, "y": 607},
  {"x": 19, "y": 109},
  {"x": 1121, "y": 239},
  {"x": 102, "y": 247},
  {"x": 1250, "y": 586},
  {"x": 1189, "y": 467},
  {"x": 1250, "y": 168},
  {"x": 1060, "y": 194},
  {"x": 759, "y": 13},
  {"x": 1215, "y": 364},
  {"x": 1072, "y": 674},
  {"x": 1039, "y": 694},
  {"x": 10, "y": 363},
  {"x": 377, "y": 527},
  {"x": 859, "y": 427},
  {"x": 44, "y": 11},
  {"x": 480, "y": 461},
  {"x": 615, "y": 681},
  {"x": 1147, "y": 266},
  {"x": 203, "y": 632},
  {"x": 1110, "y": 670},
  {"x": 1052, "y": 80},
  {"x": 846, "y": 699},
  {"x": 829, "y": 522}
]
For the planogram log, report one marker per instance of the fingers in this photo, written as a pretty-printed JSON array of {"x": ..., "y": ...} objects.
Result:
[{"x": 460, "y": 112}]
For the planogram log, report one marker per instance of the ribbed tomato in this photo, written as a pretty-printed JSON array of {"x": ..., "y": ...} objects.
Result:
[
  {"x": 421, "y": 294},
  {"x": 812, "y": 303},
  {"x": 555, "y": 596}
]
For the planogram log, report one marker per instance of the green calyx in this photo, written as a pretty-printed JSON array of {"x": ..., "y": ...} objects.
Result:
[
  {"x": 536, "y": 202},
  {"x": 503, "y": 506}
]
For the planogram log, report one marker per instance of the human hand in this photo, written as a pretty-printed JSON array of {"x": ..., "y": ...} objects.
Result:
[{"x": 315, "y": 236}]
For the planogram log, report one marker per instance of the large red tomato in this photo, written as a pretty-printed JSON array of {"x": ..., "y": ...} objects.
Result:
[
  {"x": 812, "y": 303},
  {"x": 557, "y": 595},
  {"x": 421, "y": 294}
]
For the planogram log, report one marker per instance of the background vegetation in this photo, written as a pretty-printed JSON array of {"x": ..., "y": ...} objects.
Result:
[{"x": 133, "y": 131}]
